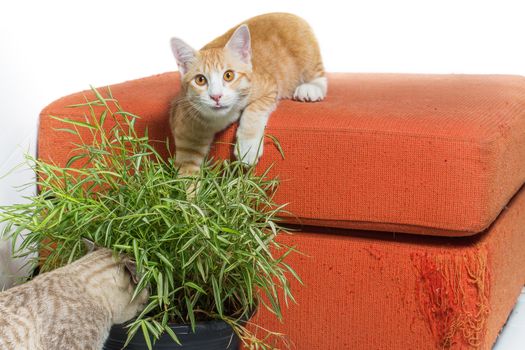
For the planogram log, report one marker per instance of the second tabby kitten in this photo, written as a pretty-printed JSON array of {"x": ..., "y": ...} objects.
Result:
[
  {"x": 242, "y": 74},
  {"x": 70, "y": 308}
]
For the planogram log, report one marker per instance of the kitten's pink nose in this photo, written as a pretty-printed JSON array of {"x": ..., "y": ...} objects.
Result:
[{"x": 216, "y": 98}]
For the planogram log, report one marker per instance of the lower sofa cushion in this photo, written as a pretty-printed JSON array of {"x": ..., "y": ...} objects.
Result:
[
  {"x": 366, "y": 290},
  {"x": 425, "y": 154}
]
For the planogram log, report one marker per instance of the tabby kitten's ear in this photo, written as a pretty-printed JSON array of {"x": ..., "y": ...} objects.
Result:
[
  {"x": 240, "y": 44},
  {"x": 131, "y": 267},
  {"x": 89, "y": 245},
  {"x": 184, "y": 54}
]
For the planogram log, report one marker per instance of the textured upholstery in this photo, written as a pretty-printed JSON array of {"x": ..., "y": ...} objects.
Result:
[
  {"x": 433, "y": 156},
  {"x": 380, "y": 291},
  {"x": 426, "y": 154}
]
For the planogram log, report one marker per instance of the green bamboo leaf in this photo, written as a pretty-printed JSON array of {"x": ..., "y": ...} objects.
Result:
[
  {"x": 165, "y": 260},
  {"x": 71, "y": 131},
  {"x": 172, "y": 334},
  {"x": 122, "y": 247},
  {"x": 152, "y": 329},
  {"x": 293, "y": 272},
  {"x": 145, "y": 332},
  {"x": 103, "y": 117},
  {"x": 194, "y": 286},
  {"x": 249, "y": 285},
  {"x": 75, "y": 122},
  {"x": 217, "y": 295},
  {"x": 193, "y": 257},
  {"x": 276, "y": 143},
  {"x": 191, "y": 313},
  {"x": 134, "y": 327},
  {"x": 192, "y": 241},
  {"x": 200, "y": 268},
  {"x": 101, "y": 99},
  {"x": 136, "y": 252},
  {"x": 134, "y": 116},
  {"x": 160, "y": 289},
  {"x": 229, "y": 230},
  {"x": 259, "y": 241},
  {"x": 74, "y": 159},
  {"x": 150, "y": 307}
]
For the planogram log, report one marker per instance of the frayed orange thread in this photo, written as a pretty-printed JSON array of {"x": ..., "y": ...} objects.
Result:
[{"x": 452, "y": 292}]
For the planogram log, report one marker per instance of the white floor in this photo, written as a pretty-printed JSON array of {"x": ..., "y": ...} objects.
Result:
[{"x": 513, "y": 335}]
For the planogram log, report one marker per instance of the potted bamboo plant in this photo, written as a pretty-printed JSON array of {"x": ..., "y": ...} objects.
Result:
[{"x": 209, "y": 259}]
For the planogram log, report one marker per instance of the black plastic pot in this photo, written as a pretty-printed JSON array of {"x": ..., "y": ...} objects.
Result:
[{"x": 211, "y": 335}]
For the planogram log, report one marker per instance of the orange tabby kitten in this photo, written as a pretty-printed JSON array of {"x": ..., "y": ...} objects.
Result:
[{"x": 242, "y": 74}]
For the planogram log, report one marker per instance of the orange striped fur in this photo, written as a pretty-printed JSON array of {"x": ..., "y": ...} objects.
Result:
[{"x": 272, "y": 56}]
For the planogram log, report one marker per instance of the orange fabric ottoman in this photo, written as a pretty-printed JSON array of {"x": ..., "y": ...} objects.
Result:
[{"x": 410, "y": 187}]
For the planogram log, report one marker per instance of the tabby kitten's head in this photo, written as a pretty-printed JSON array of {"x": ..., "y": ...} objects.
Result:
[
  {"x": 216, "y": 79},
  {"x": 126, "y": 280},
  {"x": 115, "y": 278}
]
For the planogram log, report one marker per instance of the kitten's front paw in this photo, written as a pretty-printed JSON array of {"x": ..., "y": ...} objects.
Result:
[
  {"x": 249, "y": 151},
  {"x": 190, "y": 171},
  {"x": 312, "y": 91}
]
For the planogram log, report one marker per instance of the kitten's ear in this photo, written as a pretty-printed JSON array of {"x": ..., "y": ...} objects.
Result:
[
  {"x": 89, "y": 244},
  {"x": 184, "y": 54},
  {"x": 131, "y": 267},
  {"x": 240, "y": 44}
]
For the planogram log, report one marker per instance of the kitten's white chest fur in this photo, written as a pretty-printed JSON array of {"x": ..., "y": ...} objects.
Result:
[{"x": 216, "y": 122}]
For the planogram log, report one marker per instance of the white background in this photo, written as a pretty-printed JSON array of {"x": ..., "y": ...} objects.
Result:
[{"x": 52, "y": 48}]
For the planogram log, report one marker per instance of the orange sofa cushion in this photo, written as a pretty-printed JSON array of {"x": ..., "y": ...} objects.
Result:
[
  {"x": 367, "y": 290},
  {"x": 424, "y": 154}
]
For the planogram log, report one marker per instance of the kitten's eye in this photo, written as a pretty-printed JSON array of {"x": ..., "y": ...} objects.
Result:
[
  {"x": 228, "y": 75},
  {"x": 200, "y": 80}
]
